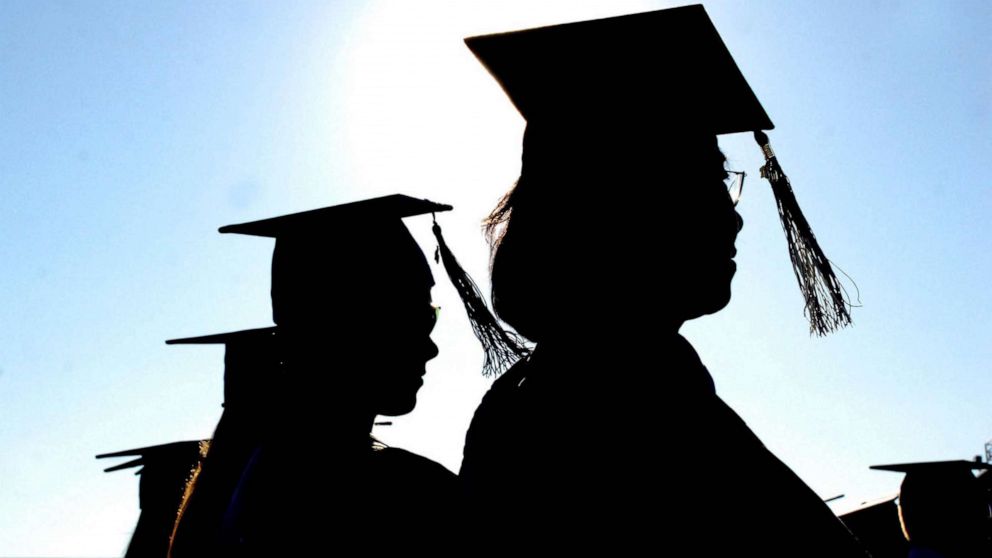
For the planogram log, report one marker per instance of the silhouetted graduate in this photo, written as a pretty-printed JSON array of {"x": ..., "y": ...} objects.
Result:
[
  {"x": 944, "y": 508},
  {"x": 251, "y": 369},
  {"x": 164, "y": 471},
  {"x": 610, "y": 436},
  {"x": 351, "y": 301}
]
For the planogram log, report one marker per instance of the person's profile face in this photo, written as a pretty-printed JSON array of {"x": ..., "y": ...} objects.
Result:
[
  {"x": 687, "y": 232},
  {"x": 707, "y": 231},
  {"x": 364, "y": 332},
  {"x": 400, "y": 324},
  {"x": 648, "y": 220}
]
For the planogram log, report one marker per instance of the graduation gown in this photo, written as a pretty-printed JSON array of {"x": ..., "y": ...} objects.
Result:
[
  {"x": 632, "y": 449},
  {"x": 374, "y": 501}
]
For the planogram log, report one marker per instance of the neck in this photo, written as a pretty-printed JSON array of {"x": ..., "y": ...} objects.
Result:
[
  {"x": 617, "y": 332},
  {"x": 326, "y": 411}
]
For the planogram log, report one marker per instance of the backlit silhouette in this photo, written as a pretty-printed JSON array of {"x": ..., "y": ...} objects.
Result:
[
  {"x": 620, "y": 229},
  {"x": 351, "y": 301}
]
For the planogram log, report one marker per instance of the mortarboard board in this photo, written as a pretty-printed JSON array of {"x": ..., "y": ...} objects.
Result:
[
  {"x": 938, "y": 474},
  {"x": 639, "y": 65},
  {"x": 935, "y": 467},
  {"x": 252, "y": 382},
  {"x": 662, "y": 70},
  {"x": 250, "y": 358},
  {"x": 245, "y": 336},
  {"x": 364, "y": 214}
]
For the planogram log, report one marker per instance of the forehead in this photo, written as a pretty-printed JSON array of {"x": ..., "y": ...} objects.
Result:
[
  {"x": 583, "y": 142},
  {"x": 351, "y": 251},
  {"x": 347, "y": 265}
]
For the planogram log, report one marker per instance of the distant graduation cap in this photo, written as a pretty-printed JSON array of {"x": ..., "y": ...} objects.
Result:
[
  {"x": 253, "y": 381},
  {"x": 179, "y": 456},
  {"x": 938, "y": 468},
  {"x": 666, "y": 71},
  {"x": 324, "y": 255},
  {"x": 251, "y": 359}
]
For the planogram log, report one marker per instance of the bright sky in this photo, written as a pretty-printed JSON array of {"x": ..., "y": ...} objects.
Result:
[{"x": 130, "y": 132}]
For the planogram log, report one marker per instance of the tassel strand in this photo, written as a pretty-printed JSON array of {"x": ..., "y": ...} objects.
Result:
[
  {"x": 826, "y": 303},
  {"x": 502, "y": 348}
]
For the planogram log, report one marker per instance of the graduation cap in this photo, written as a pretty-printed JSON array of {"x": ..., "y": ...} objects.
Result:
[
  {"x": 153, "y": 456},
  {"x": 250, "y": 358},
  {"x": 359, "y": 216},
  {"x": 162, "y": 467},
  {"x": 324, "y": 255},
  {"x": 662, "y": 71}
]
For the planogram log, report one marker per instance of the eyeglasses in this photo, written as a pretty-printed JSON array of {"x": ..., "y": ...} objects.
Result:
[
  {"x": 402, "y": 316},
  {"x": 735, "y": 185},
  {"x": 435, "y": 314}
]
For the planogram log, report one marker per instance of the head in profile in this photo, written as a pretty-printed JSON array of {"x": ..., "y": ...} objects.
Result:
[
  {"x": 622, "y": 205},
  {"x": 351, "y": 295},
  {"x": 351, "y": 299},
  {"x": 567, "y": 249}
]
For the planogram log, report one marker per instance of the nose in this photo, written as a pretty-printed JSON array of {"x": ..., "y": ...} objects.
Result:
[
  {"x": 740, "y": 221},
  {"x": 432, "y": 350}
]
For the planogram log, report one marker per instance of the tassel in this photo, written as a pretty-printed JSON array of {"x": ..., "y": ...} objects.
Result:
[
  {"x": 502, "y": 348},
  {"x": 826, "y": 304}
]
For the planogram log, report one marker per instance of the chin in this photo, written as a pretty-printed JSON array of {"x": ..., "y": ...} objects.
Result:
[
  {"x": 399, "y": 409},
  {"x": 394, "y": 393},
  {"x": 397, "y": 404},
  {"x": 708, "y": 302}
]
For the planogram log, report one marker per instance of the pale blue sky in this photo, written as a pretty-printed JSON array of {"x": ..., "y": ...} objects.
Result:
[{"x": 129, "y": 133}]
